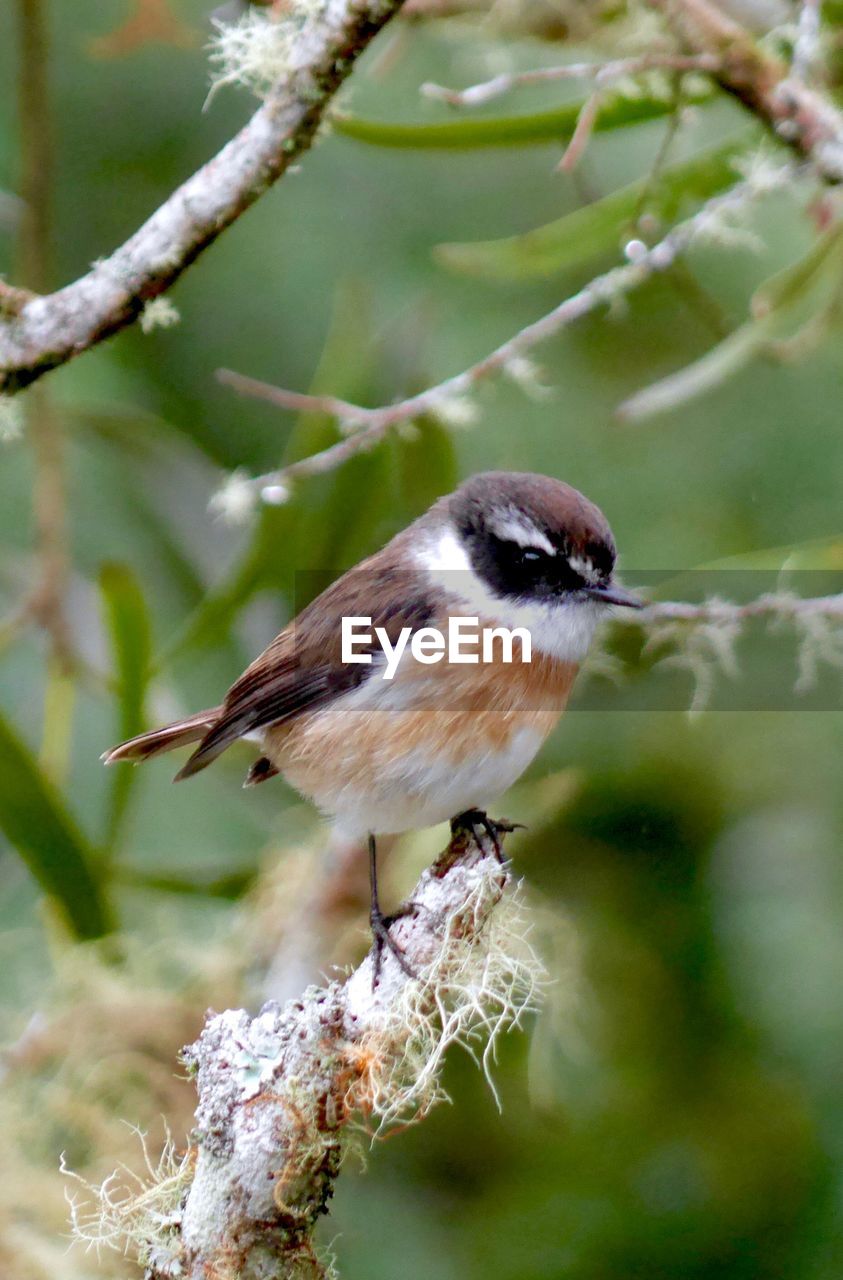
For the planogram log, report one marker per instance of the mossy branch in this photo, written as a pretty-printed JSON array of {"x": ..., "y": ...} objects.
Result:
[
  {"x": 800, "y": 116},
  {"x": 282, "y": 1094}
]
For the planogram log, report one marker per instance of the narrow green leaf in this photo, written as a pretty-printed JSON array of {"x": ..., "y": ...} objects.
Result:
[
  {"x": 817, "y": 554},
  {"x": 427, "y": 465},
  {"x": 211, "y": 621},
  {"x": 809, "y": 287},
  {"x": 556, "y": 125},
  {"x": 34, "y": 820},
  {"x": 595, "y": 228},
  {"x": 820, "y": 264},
  {"x": 301, "y": 534},
  {"x": 712, "y": 369},
  {"x": 230, "y": 886},
  {"x": 127, "y": 622}
]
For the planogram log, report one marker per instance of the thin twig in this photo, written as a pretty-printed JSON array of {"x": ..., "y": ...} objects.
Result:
[
  {"x": 583, "y": 130},
  {"x": 602, "y": 73},
  {"x": 774, "y": 604},
  {"x": 702, "y": 638},
  {"x": 366, "y": 427}
]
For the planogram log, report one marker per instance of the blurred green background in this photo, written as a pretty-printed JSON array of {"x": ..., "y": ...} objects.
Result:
[{"x": 679, "y": 1111}]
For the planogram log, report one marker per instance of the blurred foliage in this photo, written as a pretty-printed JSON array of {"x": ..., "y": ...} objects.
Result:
[{"x": 682, "y": 1113}]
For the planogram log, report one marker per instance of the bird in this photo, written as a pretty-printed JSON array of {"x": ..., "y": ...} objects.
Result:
[{"x": 383, "y": 745}]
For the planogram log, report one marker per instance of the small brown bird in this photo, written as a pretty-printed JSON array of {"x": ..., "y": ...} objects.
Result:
[{"x": 365, "y": 706}]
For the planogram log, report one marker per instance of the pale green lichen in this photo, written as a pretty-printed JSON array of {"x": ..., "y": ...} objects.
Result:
[
  {"x": 263, "y": 48},
  {"x": 236, "y": 500},
  {"x": 703, "y": 648},
  {"x": 159, "y": 313},
  {"x": 454, "y": 411},
  {"x": 483, "y": 980},
  {"x": 134, "y": 1214}
]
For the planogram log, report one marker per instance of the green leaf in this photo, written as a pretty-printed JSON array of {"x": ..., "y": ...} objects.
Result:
[
  {"x": 127, "y": 622},
  {"x": 427, "y": 463},
  {"x": 712, "y": 369},
  {"x": 817, "y": 554},
  {"x": 211, "y": 621},
  {"x": 595, "y": 228},
  {"x": 809, "y": 288},
  {"x": 230, "y": 886},
  {"x": 303, "y": 534},
  {"x": 35, "y": 821},
  {"x": 820, "y": 264},
  {"x": 556, "y": 125}
]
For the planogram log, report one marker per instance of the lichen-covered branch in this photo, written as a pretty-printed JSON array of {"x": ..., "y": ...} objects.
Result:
[
  {"x": 777, "y": 93},
  {"x": 47, "y": 331},
  {"x": 703, "y": 638},
  {"x": 779, "y": 604},
  {"x": 282, "y": 1093},
  {"x": 601, "y": 73}
]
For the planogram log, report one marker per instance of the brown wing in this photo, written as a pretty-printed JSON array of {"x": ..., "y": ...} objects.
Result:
[{"x": 302, "y": 669}]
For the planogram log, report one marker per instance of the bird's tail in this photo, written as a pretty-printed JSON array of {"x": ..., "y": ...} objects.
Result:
[{"x": 157, "y": 741}]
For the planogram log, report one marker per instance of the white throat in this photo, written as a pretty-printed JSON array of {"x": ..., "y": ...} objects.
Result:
[{"x": 562, "y": 630}]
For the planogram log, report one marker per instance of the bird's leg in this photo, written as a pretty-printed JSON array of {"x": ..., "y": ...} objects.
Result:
[
  {"x": 477, "y": 824},
  {"x": 380, "y": 923}
]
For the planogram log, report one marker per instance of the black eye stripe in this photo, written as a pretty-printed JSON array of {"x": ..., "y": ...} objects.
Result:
[{"x": 532, "y": 572}]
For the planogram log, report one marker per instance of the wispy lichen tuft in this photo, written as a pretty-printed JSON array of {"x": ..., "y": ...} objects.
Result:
[
  {"x": 263, "y": 49},
  {"x": 159, "y": 313},
  {"x": 235, "y": 500},
  {"x": 819, "y": 641},
  {"x": 134, "y": 1214},
  {"x": 526, "y": 374},
  {"x": 703, "y": 648},
  {"x": 483, "y": 980},
  {"x": 455, "y": 411}
]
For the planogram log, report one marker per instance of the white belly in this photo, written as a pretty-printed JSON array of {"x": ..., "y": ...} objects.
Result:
[{"x": 426, "y": 790}]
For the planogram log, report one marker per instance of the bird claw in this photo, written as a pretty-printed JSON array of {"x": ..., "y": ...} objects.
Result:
[
  {"x": 381, "y": 925},
  {"x": 477, "y": 824}
]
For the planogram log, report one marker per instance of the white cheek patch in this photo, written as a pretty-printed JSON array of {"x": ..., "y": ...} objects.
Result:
[
  {"x": 561, "y": 628},
  {"x": 523, "y": 533},
  {"x": 444, "y": 553}
]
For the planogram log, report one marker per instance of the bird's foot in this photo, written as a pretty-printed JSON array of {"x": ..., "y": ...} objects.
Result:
[
  {"x": 381, "y": 925},
  {"x": 477, "y": 824}
]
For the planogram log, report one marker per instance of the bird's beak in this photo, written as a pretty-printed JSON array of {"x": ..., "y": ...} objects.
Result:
[{"x": 611, "y": 593}]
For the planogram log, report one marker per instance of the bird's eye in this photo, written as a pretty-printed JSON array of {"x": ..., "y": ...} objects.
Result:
[{"x": 529, "y": 554}]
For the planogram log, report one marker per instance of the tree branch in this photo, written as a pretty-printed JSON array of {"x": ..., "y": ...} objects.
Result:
[
  {"x": 805, "y": 120},
  {"x": 48, "y": 331},
  {"x": 602, "y": 73},
  {"x": 778, "y": 604},
  {"x": 279, "y": 1092},
  {"x": 702, "y": 637}
]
